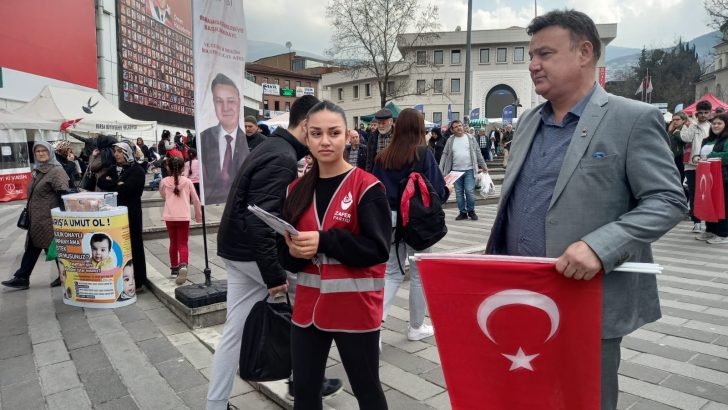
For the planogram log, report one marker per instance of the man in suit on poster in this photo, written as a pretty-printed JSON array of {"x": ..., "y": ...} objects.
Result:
[
  {"x": 224, "y": 146},
  {"x": 590, "y": 181},
  {"x": 160, "y": 10}
]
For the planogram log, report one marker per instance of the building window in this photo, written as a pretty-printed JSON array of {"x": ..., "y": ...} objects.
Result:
[
  {"x": 298, "y": 83},
  {"x": 420, "y": 86},
  {"x": 437, "y": 117},
  {"x": 341, "y": 94},
  {"x": 438, "y": 57},
  {"x": 454, "y": 85},
  {"x": 502, "y": 55},
  {"x": 288, "y": 106},
  {"x": 265, "y": 105},
  {"x": 390, "y": 88},
  {"x": 484, "y": 56},
  {"x": 299, "y": 64},
  {"x": 277, "y": 105},
  {"x": 308, "y": 83},
  {"x": 455, "y": 116},
  {"x": 265, "y": 80},
  {"x": 367, "y": 90},
  {"x": 421, "y": 57},
  {"x": 455, "y": 57},
  {"x": 437, "y": 86},
  {"x": 277, "y": 81},
  {"x": 519, "y": 54},
  {"x": 356, "y": 91},
  {"x": 287, "y": 83},
  {"x": 356, "y": 121}
]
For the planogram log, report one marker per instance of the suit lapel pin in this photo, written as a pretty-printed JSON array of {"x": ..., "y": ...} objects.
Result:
[{"x": 583, "y": 133}]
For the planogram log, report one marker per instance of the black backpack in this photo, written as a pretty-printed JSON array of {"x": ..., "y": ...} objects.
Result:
[{"x": 424, "y": 224}]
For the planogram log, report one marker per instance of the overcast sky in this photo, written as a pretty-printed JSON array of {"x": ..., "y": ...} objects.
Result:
[{"x": 640, "y": 22}]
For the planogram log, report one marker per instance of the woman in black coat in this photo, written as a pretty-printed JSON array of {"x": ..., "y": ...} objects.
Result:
[
  {"x": 127, "y": 178},
  {"x": 436, "y": 143}
]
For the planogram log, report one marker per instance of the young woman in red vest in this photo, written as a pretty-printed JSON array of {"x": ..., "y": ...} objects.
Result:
[{"x": 344, "y": 224}]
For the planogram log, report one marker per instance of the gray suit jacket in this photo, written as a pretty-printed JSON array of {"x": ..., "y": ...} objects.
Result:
[
  {"x": 618, "y": 204},
  {"x": 215, "y": 191}
]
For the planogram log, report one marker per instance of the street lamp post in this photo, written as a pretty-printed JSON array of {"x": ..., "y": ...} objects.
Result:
[{"x": 466, "y": 102}]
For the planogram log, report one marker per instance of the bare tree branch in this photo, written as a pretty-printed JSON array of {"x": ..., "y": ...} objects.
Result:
[{"x": 367, "y": 38}]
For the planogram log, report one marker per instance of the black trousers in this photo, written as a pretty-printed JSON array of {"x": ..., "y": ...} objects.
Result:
[
  {"x": 30, "y": 257},
  {"x": 359, "y": 354},
  {"x": 690, "y": 175}
]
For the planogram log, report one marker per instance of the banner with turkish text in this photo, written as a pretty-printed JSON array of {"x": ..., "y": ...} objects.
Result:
[
  {"x": 14, "y": 186},
  {"x": 514, "y": 334},
  {"x": 219, "y": 46}
]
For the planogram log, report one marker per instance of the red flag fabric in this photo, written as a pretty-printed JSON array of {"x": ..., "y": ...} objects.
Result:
[
  {"x": 66, "y": 124},
  {"x": 716, "y": 171},
  {"x": 704, "y": 191},
  {"x": 514, "y": 334}
]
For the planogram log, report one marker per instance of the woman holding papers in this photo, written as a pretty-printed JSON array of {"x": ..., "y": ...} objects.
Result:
[
  {"x": 344, "y": 224},
  {"x": 391, "y": 166}
]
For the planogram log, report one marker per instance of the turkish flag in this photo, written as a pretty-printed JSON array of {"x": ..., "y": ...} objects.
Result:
[
  {"x": 704, "y": 208},
  {"x": 716, "y": 171},
  {"x": 514, "y": 334}
]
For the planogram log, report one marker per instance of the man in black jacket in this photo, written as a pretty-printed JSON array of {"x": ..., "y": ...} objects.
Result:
[{"x": 249, "y": 247}]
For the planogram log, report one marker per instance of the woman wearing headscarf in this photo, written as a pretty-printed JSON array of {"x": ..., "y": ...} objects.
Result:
[
  {"x": 49, "y": 181},
  {"x": 101, "y": 158},
  {"x": 126, "y": 177},
  {"x": 65, "y": 157}
]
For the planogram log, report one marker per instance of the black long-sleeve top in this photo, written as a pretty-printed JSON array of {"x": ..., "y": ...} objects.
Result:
[{"x": 369, "y": 247}]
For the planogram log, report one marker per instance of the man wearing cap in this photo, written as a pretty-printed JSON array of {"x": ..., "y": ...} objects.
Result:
[
  {"x": 380, "y": 137},
  {"x": 224, "y": 146},
  {"x": 252, "y": 132}
]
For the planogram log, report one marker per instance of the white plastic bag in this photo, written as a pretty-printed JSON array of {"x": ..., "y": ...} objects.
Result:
[{"x": 486, "y": 185}]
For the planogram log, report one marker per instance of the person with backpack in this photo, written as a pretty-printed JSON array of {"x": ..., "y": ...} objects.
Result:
[
  {"x": 395, "y": 166},
  {"x": 179, "y": 193},
  {"x": 343, "y": 222}
]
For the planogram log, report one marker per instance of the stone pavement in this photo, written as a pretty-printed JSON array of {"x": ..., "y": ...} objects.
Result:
[
  {"x": 680, "y": 362},
  {"x": 54, "y": 356}
]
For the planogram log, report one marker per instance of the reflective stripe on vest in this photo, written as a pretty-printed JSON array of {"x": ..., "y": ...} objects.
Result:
[{"x": 340, "y": 285}]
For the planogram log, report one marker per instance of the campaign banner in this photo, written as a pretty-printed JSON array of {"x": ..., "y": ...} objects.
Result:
[
  {"x": 14, "y": 186},
  {"x": 95, "y": 261},
  {"x": 219, "y": 47},
  {"x": 514, "y": 334}
]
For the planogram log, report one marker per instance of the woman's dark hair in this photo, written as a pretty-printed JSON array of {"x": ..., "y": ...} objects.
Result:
[
  {"x": 580, "y": 26},
  {"x": 437, "y": 131},
  {"x": 720, "y": 139},
  {"x": 407, "y": 136},
  {"x": 191, "y": 154},
  {"x": 300, "y": 196}
]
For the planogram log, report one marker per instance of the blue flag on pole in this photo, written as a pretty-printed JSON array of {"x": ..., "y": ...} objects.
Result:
[
  {"x": 508, "y": 114},
  {"x": 475, "y": 114},
  {"x": 449, "y": 113}
]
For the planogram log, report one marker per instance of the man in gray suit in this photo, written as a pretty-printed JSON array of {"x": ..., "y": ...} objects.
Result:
[
  {"x": 223, "y": 146},
  {"x": 590, "y": 181}
]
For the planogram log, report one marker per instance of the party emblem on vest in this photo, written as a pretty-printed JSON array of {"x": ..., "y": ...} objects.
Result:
[{"x": 346, "y": 202}]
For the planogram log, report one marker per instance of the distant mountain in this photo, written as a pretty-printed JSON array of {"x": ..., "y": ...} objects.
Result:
[
  {"x": 622, "y": 59},
  {"x": 260, "y": 49}
]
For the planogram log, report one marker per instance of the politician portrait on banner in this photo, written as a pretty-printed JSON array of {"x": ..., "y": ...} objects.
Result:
[{"x": 219, "y": 45}]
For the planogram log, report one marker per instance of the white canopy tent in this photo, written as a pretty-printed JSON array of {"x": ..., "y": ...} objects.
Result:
[
  {"x": 279, "y": 120},
  {"x": 93, "y": 112}
]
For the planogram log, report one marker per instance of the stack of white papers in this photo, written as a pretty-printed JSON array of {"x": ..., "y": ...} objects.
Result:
[{"x": 278, "y": 224}]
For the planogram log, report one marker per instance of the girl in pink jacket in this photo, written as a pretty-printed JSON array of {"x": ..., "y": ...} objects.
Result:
[{"x": 178, "y": 193}]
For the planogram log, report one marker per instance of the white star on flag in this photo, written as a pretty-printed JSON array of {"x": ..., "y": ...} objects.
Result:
[{"x": 520, "y": 360}]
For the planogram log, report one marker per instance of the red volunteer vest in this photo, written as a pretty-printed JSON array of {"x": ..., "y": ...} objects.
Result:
[{"x": 330, "y": 295}]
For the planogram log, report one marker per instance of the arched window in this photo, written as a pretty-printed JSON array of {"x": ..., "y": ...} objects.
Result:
[
  {"x": 497, "y": 98},
  {"x": 719, "y": 91}
]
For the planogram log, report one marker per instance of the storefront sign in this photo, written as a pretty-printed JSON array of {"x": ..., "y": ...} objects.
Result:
[
  {"x": 271, "y": 89},
  {"x": 14, "y": 186},
  {"x": 301, "y": 91},
  {"x": 287, "y": 92}
]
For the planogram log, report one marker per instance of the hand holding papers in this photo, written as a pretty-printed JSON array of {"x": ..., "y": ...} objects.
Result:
[
  {"x": 278, "y": 224},
  {"x": 452, "y": 177}
]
